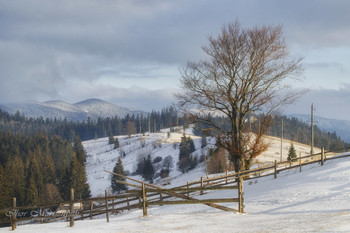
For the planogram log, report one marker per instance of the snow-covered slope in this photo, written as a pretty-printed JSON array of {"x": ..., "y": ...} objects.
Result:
[
  {"x": 92, "y": 108},
  {"x": 314, "y": 200},
  {"x": 96, "y": 108},
  {"x": 102, "y": 156}
]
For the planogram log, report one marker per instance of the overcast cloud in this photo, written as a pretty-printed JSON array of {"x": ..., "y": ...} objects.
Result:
[{"x": 129, "y": 52}]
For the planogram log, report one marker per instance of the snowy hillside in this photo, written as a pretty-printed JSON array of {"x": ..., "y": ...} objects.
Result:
[
  {"x": 92, "y": 108},
  {"x": 314, "y": 200},
  {"x": 102, "y": 156}
]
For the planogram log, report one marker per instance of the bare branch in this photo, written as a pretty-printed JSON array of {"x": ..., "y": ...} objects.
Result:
[{"x": 246, "y": 71}]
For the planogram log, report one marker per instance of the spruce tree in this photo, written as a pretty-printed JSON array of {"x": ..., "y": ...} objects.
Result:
[
  {"x": 191, "y": 145},
  {"x": 292, "y": 153},
  {"x": 118, "y": 169},
  {"x": 79, "y": 150},
  {"x": 78, "y": 179},
  {"x": 111, "y": 139},
  {"x": 3, "y": 195},
  {"x": 204, "y": 141},
  {"x": 116, "y": 143},
  {"x": 186, "y": 160},
  {"x": 35, "y": 180},
  {"x": 32, "y": 191},
  {"x": 148, "y": 170}
]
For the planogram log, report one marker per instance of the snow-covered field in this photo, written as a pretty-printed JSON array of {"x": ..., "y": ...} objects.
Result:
[
  {"x": 314, "y": 200},
  {"x": 102, "y": 156}
]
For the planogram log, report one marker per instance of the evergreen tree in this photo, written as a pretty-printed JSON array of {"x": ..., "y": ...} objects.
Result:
[
  {"x": 184, "y": 148},
  {"x": 116, "y": 143},
  {"x": 148, "y": 170},
  {"x": 50, "y": 171},
  {"x": 17, "y": 179},
  {"x": 186, "y": 160},
  {"x": 79, "y": 150},
  {"x": 111, "y": 139},
  {"x": 118, "y": 169},
  {"x": 64, "y": 184},
  {"x": 78, "y": 179},
  {"x": 3, "y": 194},
  {"x": 32, "y": 191},
  {"x": 191, "y": 145},
  {"x": 292, "y": 153},
  {"x": 35, "y": 180},
  {"x": 204, "y": 140}
]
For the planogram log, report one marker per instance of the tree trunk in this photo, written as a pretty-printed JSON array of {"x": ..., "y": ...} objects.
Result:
[{"x": 236, "y": 160}]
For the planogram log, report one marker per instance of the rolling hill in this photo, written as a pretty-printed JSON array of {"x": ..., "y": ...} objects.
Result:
[{"x": 90, "y": 108}]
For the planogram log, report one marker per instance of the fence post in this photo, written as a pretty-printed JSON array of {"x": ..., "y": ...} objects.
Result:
[
  {"x": 71, "y": 207},
  {"x": 13, "y": 217},
  {"x": 160, "y": 197},
  {"x": 240, "y": 194},
  {"x": 127, "y": 202},
  {"x": 202, "y": 185},
  {"x": 91, "y": 207},
  {"x": 188, "y": 193},
  {"x": 113, "y": 204},
  {"x": 275, "y": 172},
  {"x": 300, "y": 161},
  {"x": 106, "y": 201},
  {"x": 82, "y": 211},
  {"x": 144, "y": 200},
  {"x": 322, "y": 156},
  {"x": 140, "y": 204},
  {"x": 226, "y": 176}
]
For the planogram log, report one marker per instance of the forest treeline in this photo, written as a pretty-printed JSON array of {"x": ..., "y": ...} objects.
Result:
[
  {"x": 37, "y": 169},
  {"x": 90, "y": 129},
  {"x": 40, "y": 160}
]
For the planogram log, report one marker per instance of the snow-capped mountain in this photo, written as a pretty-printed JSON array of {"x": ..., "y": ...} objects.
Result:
[
  {"x": 93, "y": 108},
  {"x": 341, "y": 127}
]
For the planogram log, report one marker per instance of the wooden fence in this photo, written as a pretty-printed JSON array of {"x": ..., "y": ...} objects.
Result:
[{"x": 147, "y": 194}]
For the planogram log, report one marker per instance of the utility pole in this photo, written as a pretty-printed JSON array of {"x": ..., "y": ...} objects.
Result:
[
  {"x": 312, "y": 128},
  {"x": 281, "y": 139}
]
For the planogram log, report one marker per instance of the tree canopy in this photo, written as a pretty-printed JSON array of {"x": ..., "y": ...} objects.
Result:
[{"x": 247, "y": 71}]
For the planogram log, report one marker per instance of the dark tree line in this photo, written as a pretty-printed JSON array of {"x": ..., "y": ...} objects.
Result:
[
  {"x": 38, "y": 169},
  {"x": 298, "y": 131},
  {"x": 90, "y": 129}
]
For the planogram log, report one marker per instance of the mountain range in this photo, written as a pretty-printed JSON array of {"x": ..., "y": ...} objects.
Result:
[
  {"x": 90, "y": 108},
  {"x": 341, "y": 127}
]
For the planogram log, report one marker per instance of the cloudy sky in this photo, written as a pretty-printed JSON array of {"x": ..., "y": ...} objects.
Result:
[{"x": 129, "y": 52}]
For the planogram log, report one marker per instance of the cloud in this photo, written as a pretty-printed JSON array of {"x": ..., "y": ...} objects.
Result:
[{"x": 88, "y": 48}]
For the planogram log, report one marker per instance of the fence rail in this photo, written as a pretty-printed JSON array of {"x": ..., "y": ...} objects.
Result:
[{"x": 146, "y": 194}]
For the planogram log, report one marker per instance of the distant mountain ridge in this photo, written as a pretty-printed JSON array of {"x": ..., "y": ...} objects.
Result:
[
  {"x": 341, "y": 127},
  {"x": 90, "y": 108}
]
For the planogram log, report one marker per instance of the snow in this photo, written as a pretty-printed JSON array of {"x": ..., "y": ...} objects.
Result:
[
  {"x": 314, "y": 200},
  {"x": 102, "y": 156},
  {"x": 92, "y": 108}
]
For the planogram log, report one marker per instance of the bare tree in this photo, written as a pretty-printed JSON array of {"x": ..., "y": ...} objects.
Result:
[
  {"x": 130, "y": 128},
  {"x": 247, "y": 71}
]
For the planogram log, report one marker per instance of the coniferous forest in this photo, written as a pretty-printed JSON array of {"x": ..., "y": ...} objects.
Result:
[{"x": 37, "y": 169}]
